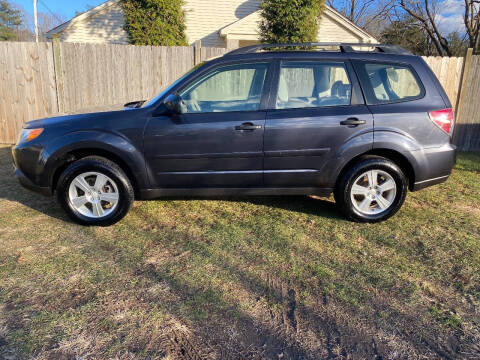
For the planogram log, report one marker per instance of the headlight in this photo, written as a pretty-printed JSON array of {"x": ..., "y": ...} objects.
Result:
[{"x": 29, "y": 134}]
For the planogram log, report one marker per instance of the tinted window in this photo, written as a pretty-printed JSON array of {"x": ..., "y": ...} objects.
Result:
[
  {"x": 304, "y": 85},
  {"x": 230, "y": 88},
  {"x": 393, "y": 82}
]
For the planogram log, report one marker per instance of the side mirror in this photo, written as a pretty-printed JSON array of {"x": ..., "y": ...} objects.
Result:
[{"x": 174, "y": 104}]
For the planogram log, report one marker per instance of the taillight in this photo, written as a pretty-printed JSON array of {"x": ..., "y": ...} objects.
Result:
[{"x": 444, "y": 119}]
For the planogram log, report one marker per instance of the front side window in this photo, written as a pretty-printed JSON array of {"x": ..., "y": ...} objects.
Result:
[
  {"x": 306, "y": 85},
  {"x": 392, "y": 83},
  {"x": 230, "y": 88}
]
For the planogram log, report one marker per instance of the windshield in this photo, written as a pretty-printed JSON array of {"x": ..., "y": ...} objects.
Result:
[{"x": 156, "y": 98}]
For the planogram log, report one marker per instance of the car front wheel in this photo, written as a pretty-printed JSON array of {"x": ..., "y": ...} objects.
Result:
[
  {"x": 95, "y": 191},
  {"x": 373, "y": 190}
]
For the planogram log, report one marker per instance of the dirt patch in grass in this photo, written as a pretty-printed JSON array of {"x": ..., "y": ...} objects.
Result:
[
  {"x": 469, "y": 209},
  {"x": 250, "y": 278}
]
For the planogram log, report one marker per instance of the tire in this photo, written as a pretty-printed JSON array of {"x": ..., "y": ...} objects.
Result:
[
  {"x": 95, "y": 191},
  {"x": 359, "y": 201}
]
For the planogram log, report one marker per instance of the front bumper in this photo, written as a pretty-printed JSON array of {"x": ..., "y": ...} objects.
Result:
[
  {"x": 28, "y": 184},
  {"x": 27, "y": 171}
]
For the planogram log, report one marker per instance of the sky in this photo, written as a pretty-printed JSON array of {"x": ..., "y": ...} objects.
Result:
[
  {"x": 450, "y": 16},
  {"x": 66, "y": 8}
]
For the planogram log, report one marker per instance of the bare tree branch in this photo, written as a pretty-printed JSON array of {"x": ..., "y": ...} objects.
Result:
[
  {"x": 371, "y": 15},
  {"x": 422, "y": 11}
]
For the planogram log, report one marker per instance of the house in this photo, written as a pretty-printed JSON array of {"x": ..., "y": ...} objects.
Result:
[{"x": 216, "y": 23}]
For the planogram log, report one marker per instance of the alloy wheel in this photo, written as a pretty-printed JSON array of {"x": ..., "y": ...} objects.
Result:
[
  {"x": 93, "y": 194},
  {"x": 373, "y": 192}
]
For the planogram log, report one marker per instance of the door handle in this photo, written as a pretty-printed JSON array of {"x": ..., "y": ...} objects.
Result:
[
  {"x": 353, "y": 122},
  {"x": 248, "y": 126}
]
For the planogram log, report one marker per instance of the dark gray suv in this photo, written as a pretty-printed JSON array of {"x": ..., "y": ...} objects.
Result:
[{"x": 366, "y": 122}]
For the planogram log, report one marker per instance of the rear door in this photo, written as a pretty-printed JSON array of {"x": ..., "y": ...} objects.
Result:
[
  {"x": 317, "y": 109},
  {"x": 397, "y": 95}
]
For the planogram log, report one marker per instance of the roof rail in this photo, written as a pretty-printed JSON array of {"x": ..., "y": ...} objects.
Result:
[{"x": 344, "y": 47}]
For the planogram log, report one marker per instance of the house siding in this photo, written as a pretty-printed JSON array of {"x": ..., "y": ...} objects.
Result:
[
  {"x": 330, "y": 30},
  {"x": 106, "y": 26},
  {"x": 204, "y": 19}
]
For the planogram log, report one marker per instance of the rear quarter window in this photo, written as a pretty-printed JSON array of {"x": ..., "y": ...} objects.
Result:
[{"x": 389, "y": 83}]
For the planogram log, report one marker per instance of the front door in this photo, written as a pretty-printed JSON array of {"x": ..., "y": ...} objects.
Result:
[
  {"x": 218, "y": 141},
  {"x": 318, "y": 110}
]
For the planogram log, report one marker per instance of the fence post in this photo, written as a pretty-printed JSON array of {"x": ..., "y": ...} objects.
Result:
[
  {"x": 198, "y": 52},
  {"x": 58, "y": 70},
  {"x": 461, "y": 92},
  {"x": 465, "y": 71}
]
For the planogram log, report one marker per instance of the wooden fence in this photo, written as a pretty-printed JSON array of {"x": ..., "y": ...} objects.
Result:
[
  {"x": 40, "y": 80},
  {"x": 449, "y": 71},
  {"x": 27, "y": 86},
  {"x": 94, "y": 75},
  {"x": 467, "y": 128}
]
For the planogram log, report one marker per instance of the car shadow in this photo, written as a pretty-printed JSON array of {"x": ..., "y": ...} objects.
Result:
[
  {"x": 11, "y": 190},
  {"x": 311, "y": 205}
]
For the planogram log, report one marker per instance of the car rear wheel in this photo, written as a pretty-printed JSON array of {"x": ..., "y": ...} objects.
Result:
[
  {"x": 95, "y": 191},
  {"x": 373, "y": 190}
]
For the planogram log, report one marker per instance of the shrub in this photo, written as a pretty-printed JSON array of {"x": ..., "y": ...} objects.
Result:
[
  {"x": 155, "y": 22},
  {"x": 290, "y": 21}
]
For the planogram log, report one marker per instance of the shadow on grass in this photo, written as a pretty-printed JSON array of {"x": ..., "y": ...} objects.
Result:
[
  {"x": 295, "y": 203},
  {"x": 320, "y": 328},
  {"x": 303, "y": 204},
  {"x": 12, "y": 190}
]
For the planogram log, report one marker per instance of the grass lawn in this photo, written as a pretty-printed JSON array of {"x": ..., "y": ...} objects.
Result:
[{"x": 243, "y": 278}]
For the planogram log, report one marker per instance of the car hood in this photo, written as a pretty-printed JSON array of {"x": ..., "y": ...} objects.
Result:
[{"x": 70, "y": 119}]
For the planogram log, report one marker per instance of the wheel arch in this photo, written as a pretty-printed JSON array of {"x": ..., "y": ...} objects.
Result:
[
  {"x": 396, "y": 157},
  {"x": 76, "y": 154}
]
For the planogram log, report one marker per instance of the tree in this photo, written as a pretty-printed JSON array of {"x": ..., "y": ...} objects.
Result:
[
  {"x": 48, "y": 21},
  {"x": 458, "y": 44},
  {"x": 290, "y": 21},
  {"x": 10, "y": 21},
  {"x": 425, "y": 12},
  {"x": 408, "y": 33},
  {"x": 471, "y": 19},
  {"x": 155, "y": 22},
  {"x": 370, "y": 15}
]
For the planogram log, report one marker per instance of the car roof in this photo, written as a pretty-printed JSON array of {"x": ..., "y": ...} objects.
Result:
[
  {"x": 316, "y": 55},
  {"x": 316, "y": 51}
]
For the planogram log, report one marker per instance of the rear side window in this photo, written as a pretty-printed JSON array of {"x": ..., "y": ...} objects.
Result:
[
  {"x": 392, "y": 83},
  {"x": 310, "y": 85}
]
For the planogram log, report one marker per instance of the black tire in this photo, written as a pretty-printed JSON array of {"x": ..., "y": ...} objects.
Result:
[
  {"x": 105, "y": 167},
  {"x": 345, "y": 183}
]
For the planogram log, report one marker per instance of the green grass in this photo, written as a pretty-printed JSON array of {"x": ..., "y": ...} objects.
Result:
[{"x": 244, "y": 277}]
